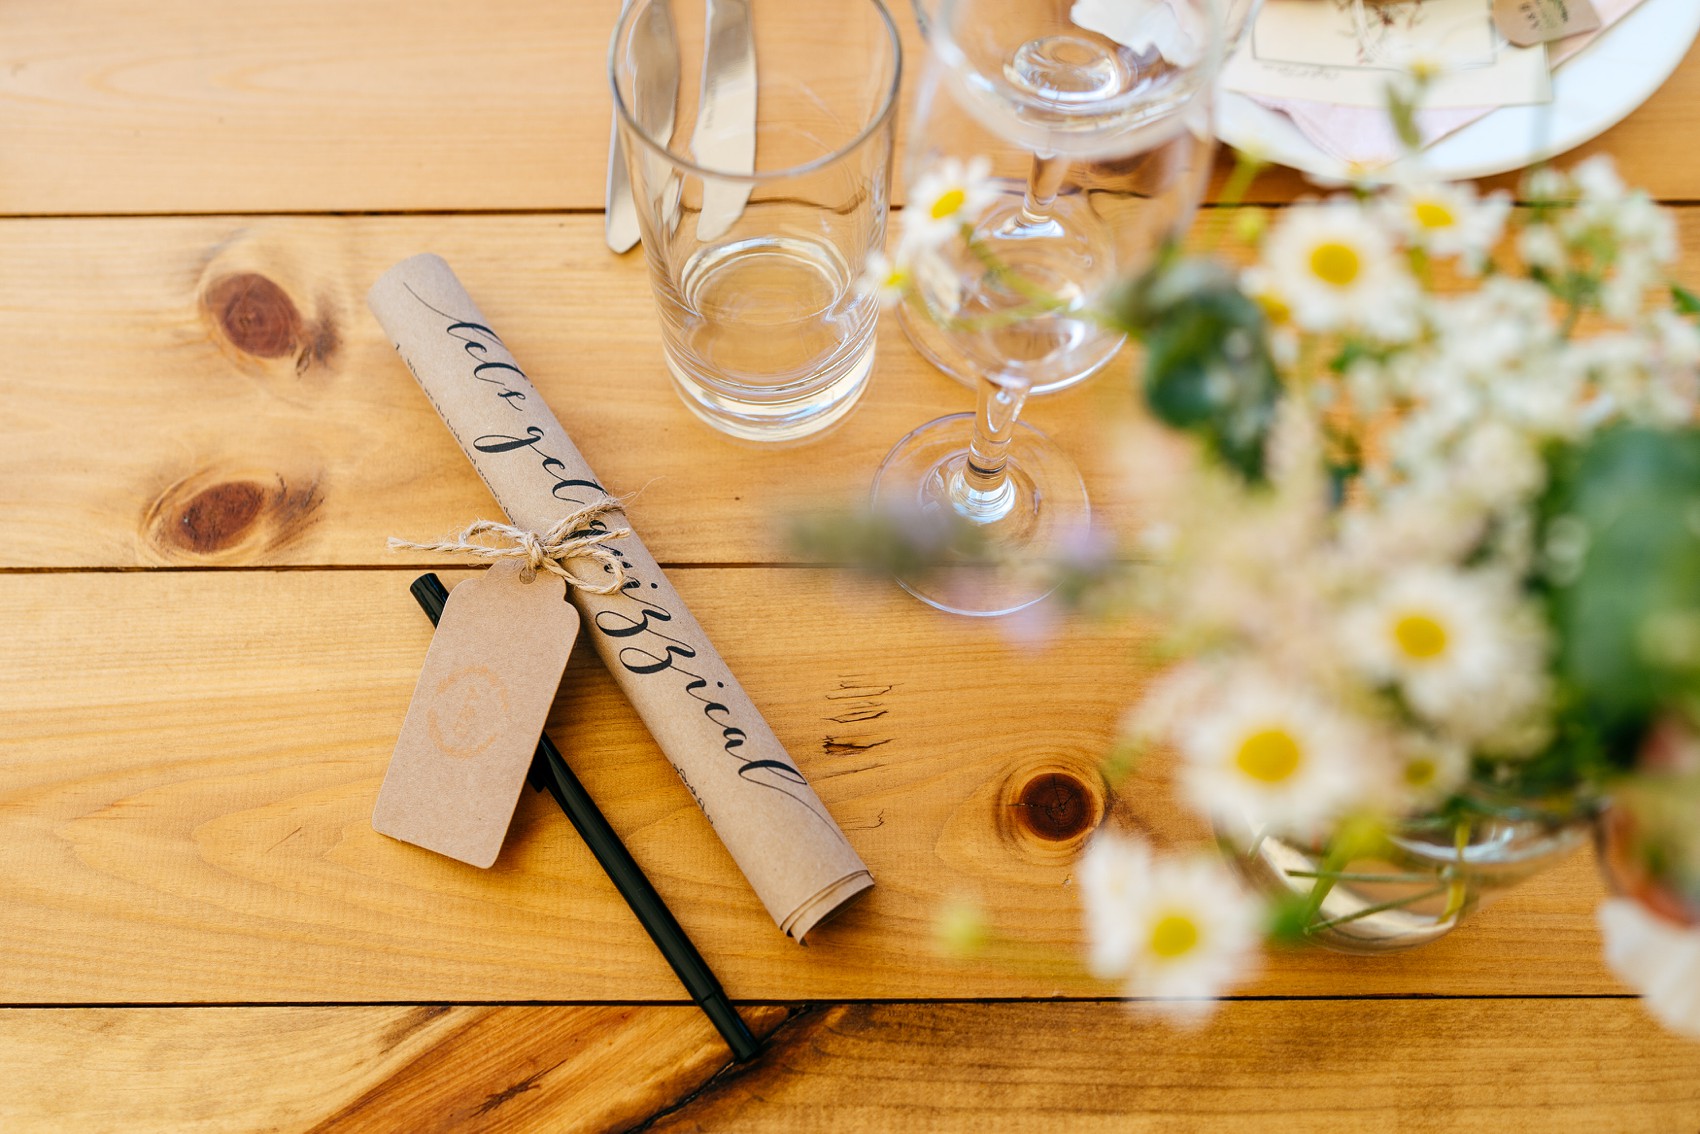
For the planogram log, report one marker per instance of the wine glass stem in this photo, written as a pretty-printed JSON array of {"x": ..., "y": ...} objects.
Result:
[
  {"x": 981, "y": 490},
  {"x": 1044, "y": 180}
]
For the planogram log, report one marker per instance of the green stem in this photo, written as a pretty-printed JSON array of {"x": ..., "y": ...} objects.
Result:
[
  {"x": 1572, "y": 316},
  {"x": 1000, "y": 318},
  {"x": 1233, "y": 193},
  {"x": 1325, "y": 876},
  {"x": 1458, "y": 891},
  {"x": 1380, "y": 907},
  {"x": 1343, "y": 876},
  {"x": 1005, "y": 275}
]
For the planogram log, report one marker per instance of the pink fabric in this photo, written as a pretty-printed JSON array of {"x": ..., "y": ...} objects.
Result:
[{"x": 1358, "y": 134}]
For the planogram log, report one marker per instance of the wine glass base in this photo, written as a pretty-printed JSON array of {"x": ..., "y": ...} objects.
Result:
[{"x": 1042, "y": 522}]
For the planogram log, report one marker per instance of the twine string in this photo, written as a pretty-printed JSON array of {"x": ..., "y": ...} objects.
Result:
[{"x": 567, "y": 540}]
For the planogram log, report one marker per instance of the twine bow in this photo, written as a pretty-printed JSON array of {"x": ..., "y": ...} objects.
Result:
[{"x": 567, "y": 539}]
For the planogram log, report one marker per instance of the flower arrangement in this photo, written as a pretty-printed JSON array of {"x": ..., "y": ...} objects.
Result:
[{"x": 1426, "y": 542}]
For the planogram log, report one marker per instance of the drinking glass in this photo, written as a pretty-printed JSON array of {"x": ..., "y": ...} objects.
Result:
[
  {"x": 755, "y": 261},
  {"x": 1098, "y": 132}
]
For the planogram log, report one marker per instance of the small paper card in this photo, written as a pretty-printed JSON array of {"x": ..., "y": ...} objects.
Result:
[
  {"x": 1332, "y": 51},
  {"x": 1526, "y": 22},
  {"x": 490, "y": 676}
]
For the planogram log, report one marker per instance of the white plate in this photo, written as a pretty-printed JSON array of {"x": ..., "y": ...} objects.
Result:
[{"x": 1591, "y": 92}]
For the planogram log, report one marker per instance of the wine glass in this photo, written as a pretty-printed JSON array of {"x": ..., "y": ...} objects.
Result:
[
  {"x": 1095, "y": 118},
  {"x": 1237, "y": 16}
]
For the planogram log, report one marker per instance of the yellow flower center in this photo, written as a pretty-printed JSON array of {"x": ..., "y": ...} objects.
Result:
[
  {"x": 1432, "y": 215},
  {"x": 1335, "y": 263},
  {"x": 949, "y": 202},
  {"x": 1274, "y": 308},
  {"x": 1270, "y": 756},
  {"x": 1425, "y": 69},
  {"x": 1420, "y": 772},
  {"x": 1174, "y": 935},
  {"x": 1420, "y": 637}
]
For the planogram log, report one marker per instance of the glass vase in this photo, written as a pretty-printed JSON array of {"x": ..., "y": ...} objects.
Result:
[{"x": 1412, "y": 883}]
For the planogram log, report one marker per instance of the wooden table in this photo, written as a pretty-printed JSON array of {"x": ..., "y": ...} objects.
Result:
[{"x": 204, "y": 441}]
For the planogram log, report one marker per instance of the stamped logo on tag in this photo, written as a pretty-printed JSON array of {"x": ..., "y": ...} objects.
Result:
[
  {"x": 1528, "y": 22},
  {"x": 489, "y": 678},
  {"x": 467, "y": 711}
]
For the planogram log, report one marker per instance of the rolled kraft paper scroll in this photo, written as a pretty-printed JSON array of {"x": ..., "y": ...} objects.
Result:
[{"x": 779, "y": 833}]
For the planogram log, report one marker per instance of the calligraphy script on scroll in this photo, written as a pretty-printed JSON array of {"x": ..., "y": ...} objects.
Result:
[{"x": 646, "y": 648}]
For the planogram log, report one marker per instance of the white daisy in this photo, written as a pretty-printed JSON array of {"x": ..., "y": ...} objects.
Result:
[
  {"x": 1430, "y": 768},
  {"x": 1177, "y": 931},
  {"x": 1598, "y": 183},
  {"x": 1447, "y": 219},
  {"x": 1497, "y": 466},
  {"x": 1659, "y": 959},
  {"x": 1425, "y": 520},
  {"x": 1276, "y": 756},
  {"x": 1338, "y": 270},
  {"x": 948, "y": 196},
  {"x": 1541, "y": 247},
  {"x": 887, "y": 280},
  {"x": 1468, "y": 657},
  {"x": 1546, "y": 184},
  {"x": 1283, "y": 333}
]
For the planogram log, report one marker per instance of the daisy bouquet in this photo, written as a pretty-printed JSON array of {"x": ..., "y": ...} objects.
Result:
[
  {"x": 1432, "y": 562},
  {"x": 1424, "y": 528}
]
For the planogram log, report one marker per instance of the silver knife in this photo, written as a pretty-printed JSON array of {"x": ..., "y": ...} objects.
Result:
[
  {"x": 619, "y": 221},
  {"x": 725, "y": 136},
  {"x": 655, "y": 97}
]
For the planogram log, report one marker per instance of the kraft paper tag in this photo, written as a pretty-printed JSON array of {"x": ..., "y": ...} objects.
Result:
[
  {"x": 1528, "y": 22},
  {"x": 490, "y": 676}
]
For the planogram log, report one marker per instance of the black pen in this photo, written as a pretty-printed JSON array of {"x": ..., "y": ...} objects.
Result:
[{"x": 549, "y": 771}]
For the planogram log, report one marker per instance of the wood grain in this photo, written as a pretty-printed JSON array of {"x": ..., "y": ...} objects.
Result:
[
  {"x": 1275, "y": 1066},
  {"x": 320, "y": 106},
  {"x": 190, "y": 760},
  {"x": 188, "y": 757},
  {"x": 417, "y": 1068},
  {"x": 1518, "y": 1066},
  {"x": 211, "y": 392},
  {"x": 207, "y": 392}
]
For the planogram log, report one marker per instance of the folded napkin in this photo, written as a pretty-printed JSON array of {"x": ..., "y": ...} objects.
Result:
[{"x": 1361, "y": 136}]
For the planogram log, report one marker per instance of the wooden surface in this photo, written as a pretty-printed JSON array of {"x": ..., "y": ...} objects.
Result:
[{"x": 204, "y": 442}]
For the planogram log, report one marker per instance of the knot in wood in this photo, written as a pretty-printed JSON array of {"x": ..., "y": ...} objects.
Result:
[
  {"x": 1056, "y": 807},
  {"x": 218, "y": 517},
  {"x": 255, "y": 315},
  {"x": 230, "y": 514}
]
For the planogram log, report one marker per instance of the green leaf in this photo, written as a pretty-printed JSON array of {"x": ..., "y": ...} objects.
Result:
[
  {"x": 1620, "y": 542},
  {"x": 1287, "y": 920},
  {"x": 1402, "y": 111},
  {"x": 1685, "y": 301},
  {"x": 1208, "y": 365}
]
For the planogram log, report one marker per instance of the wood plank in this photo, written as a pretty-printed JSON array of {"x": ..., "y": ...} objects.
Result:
[
  {"x": 108, "y": 107},
  {"x": 190, "y": 759},
  {"x": 320, "y": 105},
  {"x": 1275, "y": 1066},
  {"x": 170, "y": 406},
  {"x": 1517, "y": 1066},
  {"x": 414, "y": 1068},
  {"x": 158, "y": 413}
]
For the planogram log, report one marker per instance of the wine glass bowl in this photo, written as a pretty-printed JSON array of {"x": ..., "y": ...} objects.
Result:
[
  {"x": 1101, "y": 150},
  {"x": 968, "y": 320}
]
